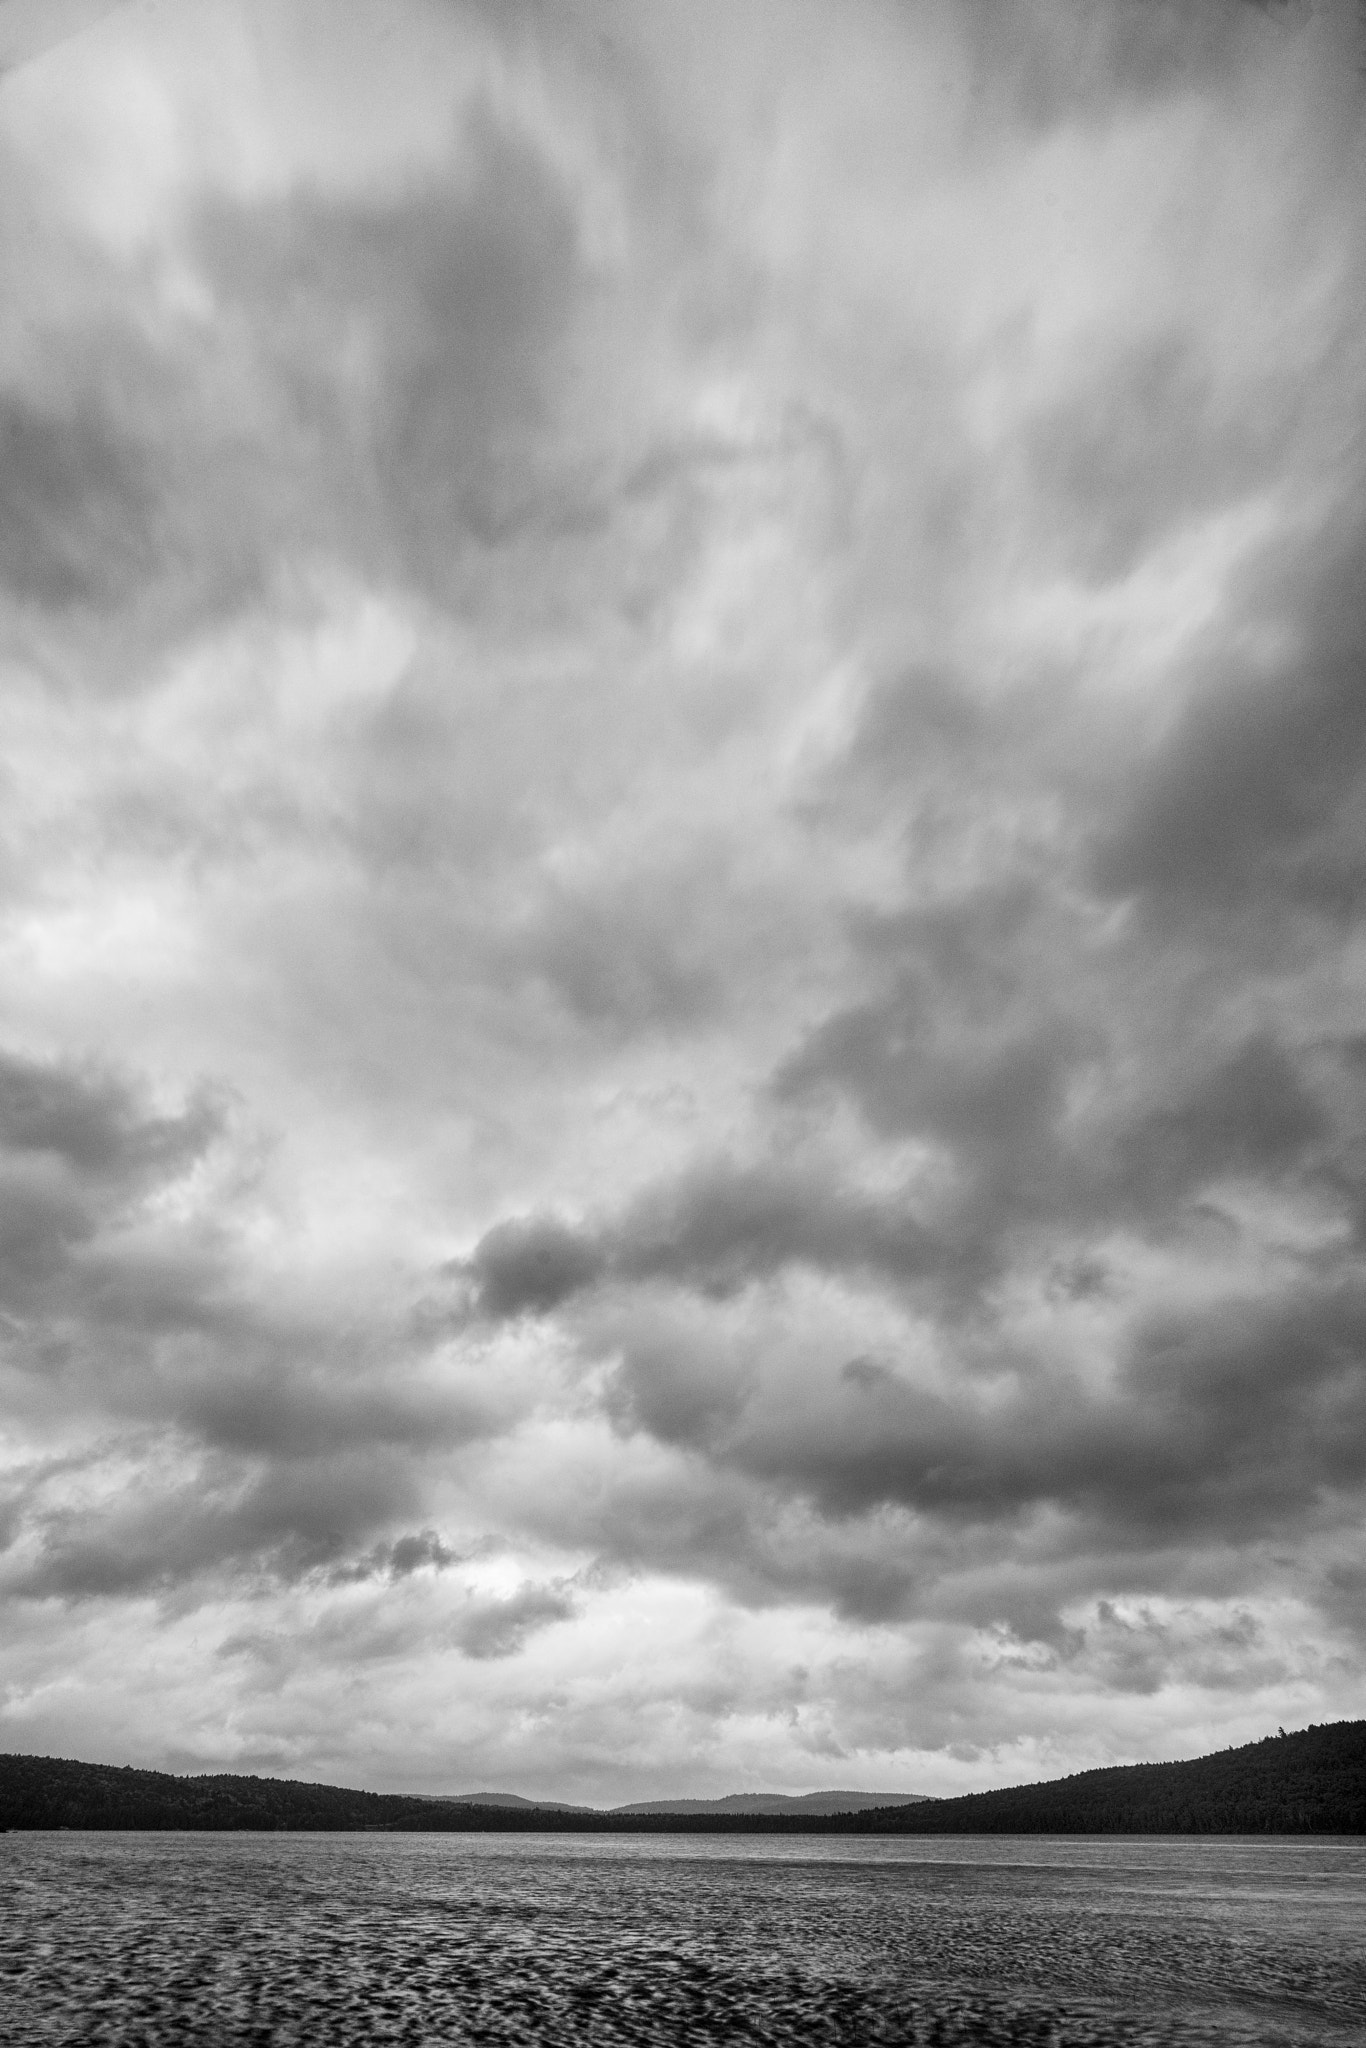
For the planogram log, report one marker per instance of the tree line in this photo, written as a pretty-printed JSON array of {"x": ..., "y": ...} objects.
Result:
[{"x": 1311, "y": 1782}]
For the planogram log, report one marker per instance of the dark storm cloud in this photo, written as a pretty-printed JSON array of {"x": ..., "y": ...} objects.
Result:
[
  {"x": 1235, "y": 1423},
  {"x": 304, "y": 1451},
  {"x": 1254, "y": 803},
  {"x": 1251, "y": 1117},
  {"x": 988, "y": 1021},
  {"x": 1252, "y": 1114},
  {"x": 76, "y": 508},
  {"x": 1230, "y": 1437},
  {"x": 78, "y": 1145},
  {"x": 1071, "y": 1079},
  {"x": 971, "y": 1045},
  {"x": 122, "y": 497},
  {"x": 1214, "y": 1426},
  {"x": 718, "y": 1229},
  {"x": 1242, "y": 1422},
  {"x": 265, "y": 1521},
  {"x": 95, "y": 1124},
  {"x": 1053, "y": 64},
  {"x": 617, "y": 967},
  {"x": 1342, "y": 1171},
  {"x": 299, "y": 1406},
  {"x": 530, "y": 1265},
  {"x": 41, "y": 1223},
  {"x": 453, "y": 300},
  {"x": 722, "y": 1227},
  {"x": 994, "y": 1103},
  {"x": 398, "y": 354},
  {"x": 398, "y": 1559},
  {"x": 500, "y": 1627},
  {"x": 82, "y": 1151},
  {"x": 144, "y": 1325},
  {"x": 270, "y": 1522}
]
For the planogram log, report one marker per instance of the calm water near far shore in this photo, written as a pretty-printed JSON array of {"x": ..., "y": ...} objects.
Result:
[{"x": 308, "y": 1940}]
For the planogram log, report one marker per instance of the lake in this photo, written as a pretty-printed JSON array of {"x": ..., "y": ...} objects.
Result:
[{"x": 427, "y": 1939}]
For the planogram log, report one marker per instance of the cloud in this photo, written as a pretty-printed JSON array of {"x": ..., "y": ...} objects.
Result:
[
  {"x": 91, "y": 1123},
  {"x": 718, "y": 1229},
  {"x": 1234, "y": 1423},
  {"x": 614, "y": 967},
  {"x": 1059, "y": 68},
  {"x": 416, "y": 336},
  {"x": 678, "y": 872},
  {"x": 530, "y": 1264},
  {"x": 266, "y": 1439},
  {"x": 29, "y": 27},
  {"x": 1252, "y": 1117},
  {"x": 408, "y": 1554},
  {"x": 281, "y": 1520},
  {"x": 76, "y": 506},
  {"x": 1126, "y": 466},
  {"x": 499, "y": 1628},
  {"x": 361, "y": 379},
  {"x": 78, "y": 1152},
  {"x": 398, "y": 1559}
]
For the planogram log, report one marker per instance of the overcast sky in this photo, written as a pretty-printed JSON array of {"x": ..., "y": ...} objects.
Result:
[{"x": 682, "y": 835}]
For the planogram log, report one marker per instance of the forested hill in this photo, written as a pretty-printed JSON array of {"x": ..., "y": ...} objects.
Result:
[
  {"x": 1313, "y": 1782},
  {"x": 53, "y": 1792},
  {"x": 1309, "y": 1783}
]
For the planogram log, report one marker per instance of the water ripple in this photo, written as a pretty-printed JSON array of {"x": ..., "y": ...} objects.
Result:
[{"x": 301, "y": 1942}]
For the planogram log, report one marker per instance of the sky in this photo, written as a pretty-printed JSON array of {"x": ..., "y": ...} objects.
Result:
[{"x": 682, "y": 842}]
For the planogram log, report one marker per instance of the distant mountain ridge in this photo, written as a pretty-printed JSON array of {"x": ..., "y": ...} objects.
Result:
[
  {"x": 778, "y": 1802},
  {"x": 1311, "y": 1782},
  {"x": 512, "y": 1799},
  {"x": 732, "y": 1802}
]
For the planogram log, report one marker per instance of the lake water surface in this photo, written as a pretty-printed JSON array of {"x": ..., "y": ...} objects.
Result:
[{"x": 424, "y": 1939}]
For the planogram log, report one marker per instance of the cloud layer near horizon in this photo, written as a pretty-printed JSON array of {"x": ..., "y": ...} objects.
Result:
[{"x": 683, "y": 1060}]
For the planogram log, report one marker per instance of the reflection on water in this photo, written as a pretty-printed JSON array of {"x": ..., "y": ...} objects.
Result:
[{"x": 317, "y": 1939}]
